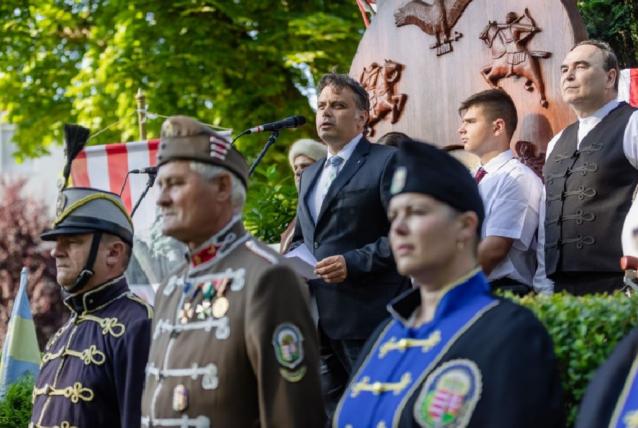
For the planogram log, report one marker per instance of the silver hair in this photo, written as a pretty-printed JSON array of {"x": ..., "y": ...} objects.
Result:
[{"x": 208, "y": 172}]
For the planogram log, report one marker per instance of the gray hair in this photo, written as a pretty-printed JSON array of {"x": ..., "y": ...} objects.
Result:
[
  {"x": 610, "y": 60},
  {"x": 208, "y": 172}
]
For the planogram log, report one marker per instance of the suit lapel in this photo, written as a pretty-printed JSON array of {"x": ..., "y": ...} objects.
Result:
[
  {"x": 355, "y": 162},
  {"x": 310, "y": 176}
]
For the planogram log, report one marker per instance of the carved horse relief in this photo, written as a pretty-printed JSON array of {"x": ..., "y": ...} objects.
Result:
[
  {"x": 434, "y": 17},
  {"x": 380, "y": 81},
  {"x": 510, "y": 56}
]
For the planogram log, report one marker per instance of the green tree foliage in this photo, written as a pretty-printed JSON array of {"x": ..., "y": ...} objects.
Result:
[
  {"x": 229, "y": 63},
  {"x": 615, "y": 22}
]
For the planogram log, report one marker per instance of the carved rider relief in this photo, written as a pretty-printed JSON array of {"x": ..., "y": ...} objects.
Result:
[
  {"x": 510, "y": 56},
  {"x": 380, "y": 82},
  {"x": 434, "y": 17}
]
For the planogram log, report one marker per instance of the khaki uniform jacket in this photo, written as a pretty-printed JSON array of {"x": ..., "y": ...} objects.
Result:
[{"x": 251, "y": 362}]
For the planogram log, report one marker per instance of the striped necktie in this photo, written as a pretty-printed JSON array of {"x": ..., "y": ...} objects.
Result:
[{"x": 332, "y": 169}]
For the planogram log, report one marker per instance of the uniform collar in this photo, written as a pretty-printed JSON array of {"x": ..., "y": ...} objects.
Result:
[
  {"x": 454, "y": 294},
  {"x": 96, "y": 297},
  {"x": 217, "y": 244}
]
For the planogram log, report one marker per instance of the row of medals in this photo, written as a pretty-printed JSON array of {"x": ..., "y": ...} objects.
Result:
[{"x": 214, "y": 303}]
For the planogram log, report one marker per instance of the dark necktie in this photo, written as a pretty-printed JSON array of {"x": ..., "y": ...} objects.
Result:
[{"x": 480, "y": 173}]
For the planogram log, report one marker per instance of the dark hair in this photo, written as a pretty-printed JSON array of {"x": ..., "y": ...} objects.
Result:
[
  {"x": 497, "y": 105},
  {"x": 392, "y": 139},
  {"x": 344, "y": 81},
  {"x": 610, "y": 60}
]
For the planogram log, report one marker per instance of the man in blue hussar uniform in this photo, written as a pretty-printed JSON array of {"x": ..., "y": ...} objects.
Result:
[
  {"x": 452, "y": 355},
  {"x": 92, "y": 371}
]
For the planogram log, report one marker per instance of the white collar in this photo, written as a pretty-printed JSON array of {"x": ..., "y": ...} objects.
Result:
[
  {"x": 498, "y": 161},
  {"x": 600, "y": 113},
  {"x": 346, "y": 151}
]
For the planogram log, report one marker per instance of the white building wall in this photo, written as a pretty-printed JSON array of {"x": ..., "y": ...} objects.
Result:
[{"x": 42, "y": 173}]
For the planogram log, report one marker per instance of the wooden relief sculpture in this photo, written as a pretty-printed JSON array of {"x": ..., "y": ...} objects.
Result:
[
  {"x": 510, "y": 56},
  {"x": 526, "y": 152},
  {"x": 434, "y": 17},
  {"x": 380, "y": 82}
]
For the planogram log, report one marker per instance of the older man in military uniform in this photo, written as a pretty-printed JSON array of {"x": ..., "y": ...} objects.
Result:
[
  {"x": 233, "y": 341},
  {"x": 93, "y": 368}
]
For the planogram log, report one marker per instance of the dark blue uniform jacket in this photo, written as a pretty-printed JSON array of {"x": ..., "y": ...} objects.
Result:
[{"x": 92, "y": 372}]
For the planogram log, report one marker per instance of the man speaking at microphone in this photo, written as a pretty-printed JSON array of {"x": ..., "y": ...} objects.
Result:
[{"x": 342, "y": 220}]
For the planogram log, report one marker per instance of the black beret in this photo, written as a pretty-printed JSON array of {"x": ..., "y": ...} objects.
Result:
[{"x": 424, "y": 168}]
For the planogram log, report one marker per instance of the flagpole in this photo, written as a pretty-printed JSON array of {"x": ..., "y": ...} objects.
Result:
[{"x": 140, "y": 98}]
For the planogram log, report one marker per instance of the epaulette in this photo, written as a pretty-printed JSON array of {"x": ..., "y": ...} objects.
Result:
[
  {"x": 134, "y": 297},
  {"x": 252, "y": 246}
]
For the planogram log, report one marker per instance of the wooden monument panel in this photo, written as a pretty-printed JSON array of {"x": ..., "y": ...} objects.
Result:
[{"x": 420, "y": 58}]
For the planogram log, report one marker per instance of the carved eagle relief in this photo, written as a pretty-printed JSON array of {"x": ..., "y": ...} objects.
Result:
[{"x": 434, "y": 17}]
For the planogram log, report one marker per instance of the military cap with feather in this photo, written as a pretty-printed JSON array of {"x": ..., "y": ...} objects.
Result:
[
  {"x": 184, "y": 138},
  {"x": 86, "y": 210}
]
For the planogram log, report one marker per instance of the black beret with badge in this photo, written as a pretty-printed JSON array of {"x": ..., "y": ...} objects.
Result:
[
  {"x": 184, "y": 138},
  {"x": 424, "y": 168}
]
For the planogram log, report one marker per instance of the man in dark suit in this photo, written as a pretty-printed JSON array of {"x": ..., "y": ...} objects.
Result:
[{"x": 342, "y": 220}]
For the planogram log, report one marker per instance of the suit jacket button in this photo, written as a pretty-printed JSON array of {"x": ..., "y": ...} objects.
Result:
[{"x": 316, "y": 245}]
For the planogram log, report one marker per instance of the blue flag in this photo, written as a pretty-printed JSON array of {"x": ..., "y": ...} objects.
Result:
[{"x": 20, "y": 353}]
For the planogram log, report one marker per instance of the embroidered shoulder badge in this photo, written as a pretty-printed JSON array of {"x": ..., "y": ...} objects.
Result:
[
  {"x": 398, "y": 180},
  {"x": 288, "y": 343},
  {"x": 449, "y": 396}
]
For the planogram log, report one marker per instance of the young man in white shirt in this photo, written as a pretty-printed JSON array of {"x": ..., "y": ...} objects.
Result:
[{"x": 511, "y": 191}]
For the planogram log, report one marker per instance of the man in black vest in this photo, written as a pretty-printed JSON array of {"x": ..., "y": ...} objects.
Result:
[{"x": 590, "y": 175}]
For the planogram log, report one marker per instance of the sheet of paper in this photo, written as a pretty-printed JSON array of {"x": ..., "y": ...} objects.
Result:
[{"x": 302, "y": 262}]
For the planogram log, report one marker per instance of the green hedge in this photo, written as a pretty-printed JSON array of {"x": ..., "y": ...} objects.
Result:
[
  {"x": 585, "y": 331},
  {"x": 15, "y": 409}
]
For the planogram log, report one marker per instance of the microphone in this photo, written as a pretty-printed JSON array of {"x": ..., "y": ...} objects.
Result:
[
  {"x": 289, "y": 122},
  {"x": 151, "y": 170}
]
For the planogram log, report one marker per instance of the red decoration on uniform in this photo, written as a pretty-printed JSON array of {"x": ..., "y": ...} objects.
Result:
[{"x": 205, "y": 255}]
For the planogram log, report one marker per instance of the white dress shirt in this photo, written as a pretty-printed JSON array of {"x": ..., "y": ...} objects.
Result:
[
  {"x": 511, "y": 193},
  {"x": 585, "y": 125},
  {"x": 315, "y": 197}
]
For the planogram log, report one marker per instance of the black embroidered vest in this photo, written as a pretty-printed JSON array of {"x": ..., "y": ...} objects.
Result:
[{"x": 589, "y": 192}]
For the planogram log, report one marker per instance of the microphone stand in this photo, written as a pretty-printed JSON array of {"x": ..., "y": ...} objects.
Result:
[
  {"x": 270, "y": 142},
  {"x": 149, "y": 184}
]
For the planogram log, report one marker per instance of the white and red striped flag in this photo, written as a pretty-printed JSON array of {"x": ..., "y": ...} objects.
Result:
[
  {"x": 628, "y": 91},
  {"x": 105, "y": 167},
  {"x": 628, "y": 86}
]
